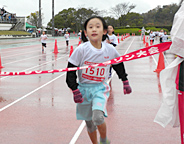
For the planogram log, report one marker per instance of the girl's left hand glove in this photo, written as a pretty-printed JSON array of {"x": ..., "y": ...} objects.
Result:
[
  {"x": 77, "y": 96},
  {"x": 126, "y": 87}
]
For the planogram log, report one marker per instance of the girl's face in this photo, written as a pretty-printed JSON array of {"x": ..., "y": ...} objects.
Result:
[
  {"x": 110, "y": 29},
  {"x": 94, "y": 30}
]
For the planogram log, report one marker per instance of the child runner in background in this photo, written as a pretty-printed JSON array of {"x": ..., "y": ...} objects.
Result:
[
  {"x": 111, "y": 36},
  {"x": 91, "y": 92},
  {"x": 43, "y": 38},
  {"x": 80, "y": 35},
  {"x": 165, "y": 37},
  {"x": 111, "y": 39},
  {"x": 161, "y": 34},
  {"x": 67, "y": 38},
  {"x": 152, "y": 37},
  {"x": 156, "y": 34},
  {"x": 142, "y": 33}
]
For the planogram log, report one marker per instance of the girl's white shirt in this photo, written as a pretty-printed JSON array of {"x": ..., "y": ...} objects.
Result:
[
  {"x": 86, "y": 54},
  {"x": 113, "y": 39}
]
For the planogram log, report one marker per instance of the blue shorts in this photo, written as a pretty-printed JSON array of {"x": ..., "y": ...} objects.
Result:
[{"x": 95, "y": 98}]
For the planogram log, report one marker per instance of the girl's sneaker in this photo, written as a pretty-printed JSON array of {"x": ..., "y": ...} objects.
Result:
[{"x": 107, "y": 142}]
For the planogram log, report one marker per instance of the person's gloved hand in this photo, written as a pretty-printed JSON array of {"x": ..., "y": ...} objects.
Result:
[
  {"x": 77, "y": 96},
  {"x": 126, "y": 87}
]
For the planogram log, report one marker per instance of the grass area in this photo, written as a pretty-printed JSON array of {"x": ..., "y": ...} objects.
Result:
[{"x": 14, "y": 33}]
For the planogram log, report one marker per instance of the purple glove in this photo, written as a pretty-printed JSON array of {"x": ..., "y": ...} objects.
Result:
[
  {"x": 126, "y": 87},
  {"x": 77, "y": 96}
]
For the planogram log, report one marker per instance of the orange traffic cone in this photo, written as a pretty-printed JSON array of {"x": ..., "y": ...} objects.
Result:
[
  {"x": 147, "y": 45},
  {"x": 121, "y": 37},
  {"x": 161, "y": 63},
  {"x": 118, "y": 40},
  {"x": 79, "y": 41},
  {"x": 0, "y": 63},
  {"x": 71, "y": 51},
  {"x": 144, "y": 39},
  {"x": 151, "y": 42},
  {"x": 55, "y": 47},
  {"x": 147, "y": 39}
]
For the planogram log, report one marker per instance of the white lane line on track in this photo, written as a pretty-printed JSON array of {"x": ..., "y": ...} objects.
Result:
[
  {"x": 25, "y": 59},
  {"x": 23, "y": 53},
  {"x": 29, "y": 58},
  {"x": 21, "y": 47},
  {"x": 154, "y": 59},
  {"x": 82, "y": 125},
  {"x": 78, "y": 132},
  {"x": 23, "y": 97},
  {"x": 72, "y": 42},
  {"x": 20, "y": 54}
]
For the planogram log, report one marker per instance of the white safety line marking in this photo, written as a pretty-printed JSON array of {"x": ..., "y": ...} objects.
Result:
[
  {"x": 154, "y": 59},
  {"x": 78, "y": 132},
  {"x": 129, "y": 46},
  {"x": 23, "y": 97},
  {"x": 82, "y": 125},
  {"x": 20, "y": 54},
  {"x": 25, "y": 59},
  {"x": 165, "y": 58},
  {"x": 52, "y": 61},
  {"x": 27, "y": 52}
]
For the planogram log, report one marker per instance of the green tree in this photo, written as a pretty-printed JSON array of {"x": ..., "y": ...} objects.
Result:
[
  {"x": 111, "y": 21},
  {"x": 121, "y": 10},
  {"x": 134, "y": 19},
  {"x": 72, "y": 18},
  {"x": 160, "y": 16},
  {"x": 64, "y": 19},
  {"x": 33, "y": 18},
  {"x": 82, "y": 14}
]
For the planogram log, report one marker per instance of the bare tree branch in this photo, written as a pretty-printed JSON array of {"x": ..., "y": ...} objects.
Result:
[{"x": 122, "y": 9}]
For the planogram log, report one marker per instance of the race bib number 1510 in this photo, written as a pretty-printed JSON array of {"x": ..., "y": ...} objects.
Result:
[{"x": 94, "y": 73}]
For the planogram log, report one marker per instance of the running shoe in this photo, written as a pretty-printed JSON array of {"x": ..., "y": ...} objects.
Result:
[{"x": 107, "y": 142}]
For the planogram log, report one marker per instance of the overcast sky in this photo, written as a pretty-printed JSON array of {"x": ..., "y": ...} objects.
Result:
[{"x": 25, "y": 7}]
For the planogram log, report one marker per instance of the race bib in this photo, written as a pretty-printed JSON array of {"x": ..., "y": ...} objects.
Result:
[
  {"x": 94, "y": 73},
  {"x": 111, "y": 40}
]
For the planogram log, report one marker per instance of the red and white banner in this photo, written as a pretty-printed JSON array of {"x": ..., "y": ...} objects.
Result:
[{"x": 145, "y": 52}]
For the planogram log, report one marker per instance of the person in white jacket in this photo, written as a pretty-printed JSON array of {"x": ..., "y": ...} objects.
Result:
[{"x": 172, "y": 79}]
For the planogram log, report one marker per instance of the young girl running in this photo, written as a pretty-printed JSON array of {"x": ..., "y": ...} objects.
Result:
[
  {"x": 67, "y": 38},
  {"x": 43, "y": 39},
  {"x": 91, "y": 92},
  {"x": 152, "y": 37},
  {"x": 165, "y": 37},
  {"x": 111, "y": 39},
  {"x": 161, "y": 34},
  {"x": 111, "y": 36}
]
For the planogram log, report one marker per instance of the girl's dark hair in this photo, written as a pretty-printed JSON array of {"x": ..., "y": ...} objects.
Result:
[
  {"x": 103, "y": 22},
  {"x": 83, "y": 37}
]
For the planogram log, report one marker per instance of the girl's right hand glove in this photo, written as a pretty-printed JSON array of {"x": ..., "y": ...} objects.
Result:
[
  {"x": 77, "y": 96},
  {"x": 126, "y": 87}
]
